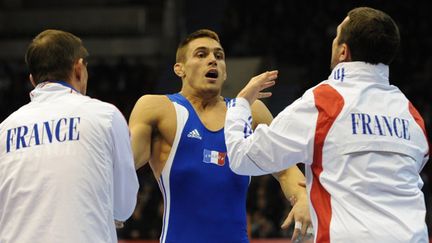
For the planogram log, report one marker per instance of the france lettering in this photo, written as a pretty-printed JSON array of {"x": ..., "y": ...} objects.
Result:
[{"x": 46, "y": 132}]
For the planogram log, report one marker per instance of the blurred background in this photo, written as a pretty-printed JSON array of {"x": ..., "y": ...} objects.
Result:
[{"x": 132, "y": 46}]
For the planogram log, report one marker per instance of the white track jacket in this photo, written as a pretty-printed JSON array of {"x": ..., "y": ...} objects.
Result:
[
  {"x": 363, "y": 145},
  {"x": 66, "y": 169}
]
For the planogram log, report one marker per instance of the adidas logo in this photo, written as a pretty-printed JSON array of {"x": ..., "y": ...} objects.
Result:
[{"x": 194, "y": 134}]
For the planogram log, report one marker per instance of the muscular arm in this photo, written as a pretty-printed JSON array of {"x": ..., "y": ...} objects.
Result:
[{"x": 142, "y": 121}]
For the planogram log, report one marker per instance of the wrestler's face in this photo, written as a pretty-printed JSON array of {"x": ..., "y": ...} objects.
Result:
[
  {"x": 338, "y": 50},
  {"x": 204, "y": 68}
]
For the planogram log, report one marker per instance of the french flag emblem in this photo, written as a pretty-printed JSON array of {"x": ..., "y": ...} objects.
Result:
[{"x": 214, "y": 157}]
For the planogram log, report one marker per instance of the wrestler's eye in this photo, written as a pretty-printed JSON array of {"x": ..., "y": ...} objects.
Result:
[
  {"x": 201, "y": 54},
  {"x": 219, "y": 55}
]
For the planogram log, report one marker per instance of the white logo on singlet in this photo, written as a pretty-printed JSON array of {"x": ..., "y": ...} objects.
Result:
[{"x": 194, "y": 134}]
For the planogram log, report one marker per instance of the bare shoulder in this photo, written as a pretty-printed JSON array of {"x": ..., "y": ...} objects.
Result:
[
  {"x": 153, "y": 100},
  {"x": 150, "y": 107},
  {"x": 260, "y": 113}
]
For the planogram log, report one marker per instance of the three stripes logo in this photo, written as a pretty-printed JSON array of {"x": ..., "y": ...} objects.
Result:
[
  {"x": 194, "y": 134},
  {"x": 247, "y": 130},
  {"x": 232, "y": 103}
]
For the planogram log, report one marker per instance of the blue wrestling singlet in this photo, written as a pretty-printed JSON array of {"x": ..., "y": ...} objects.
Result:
[{"x": 205, "y": 202}]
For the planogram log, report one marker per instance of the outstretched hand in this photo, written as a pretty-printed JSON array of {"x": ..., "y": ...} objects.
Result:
[
  {"x": 252, "y": 91},
  {"x": 300, "y": 215}
]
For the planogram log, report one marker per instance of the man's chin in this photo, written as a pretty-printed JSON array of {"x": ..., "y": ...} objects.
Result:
[{"x": 212, "y": 89}]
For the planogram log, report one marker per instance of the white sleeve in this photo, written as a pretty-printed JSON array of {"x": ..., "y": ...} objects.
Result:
[
  {"x": 125, "y": 177},
  {"x": 425, "y": 160},
  {"x": 287, "y": 141}
]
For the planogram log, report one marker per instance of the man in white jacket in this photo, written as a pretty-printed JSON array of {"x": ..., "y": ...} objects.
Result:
[
  {"x": 66, "y": 165},
  {"x": 361, "y": 140}
]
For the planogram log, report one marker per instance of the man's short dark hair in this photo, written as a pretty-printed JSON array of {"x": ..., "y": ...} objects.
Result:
[
  {"x": 371, "y": 35},
  {"x": 51, "y": 55},
  {"x": 202, "y": 33}
]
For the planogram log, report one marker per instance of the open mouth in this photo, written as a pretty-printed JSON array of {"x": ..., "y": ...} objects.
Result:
[{"x": 212, "y": 74}]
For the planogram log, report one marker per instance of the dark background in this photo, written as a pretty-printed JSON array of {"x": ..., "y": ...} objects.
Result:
[{"x": 292, "y": 36}]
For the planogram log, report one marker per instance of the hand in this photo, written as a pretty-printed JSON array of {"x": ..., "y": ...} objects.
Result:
[
  {"x": 118, "y": 224},
  {"x": 252, "y": 90},
  {"x": 300, "y": 214}
]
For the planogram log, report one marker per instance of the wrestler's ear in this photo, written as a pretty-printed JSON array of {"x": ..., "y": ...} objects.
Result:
[
  {"x": 345, "y": 53},
  {"x": 178, "y": 69},
  {"x": 32, "y": 80}
]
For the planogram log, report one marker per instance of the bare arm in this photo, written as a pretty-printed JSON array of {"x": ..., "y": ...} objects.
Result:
[
  {"x": 142, "y": 122},
  {"x": 290, "y": 180}
]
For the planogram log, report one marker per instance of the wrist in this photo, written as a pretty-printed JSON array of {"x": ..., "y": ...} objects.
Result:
[
  {"x": 241, "y": 95},
  {"x": 298, "y": 196}
]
